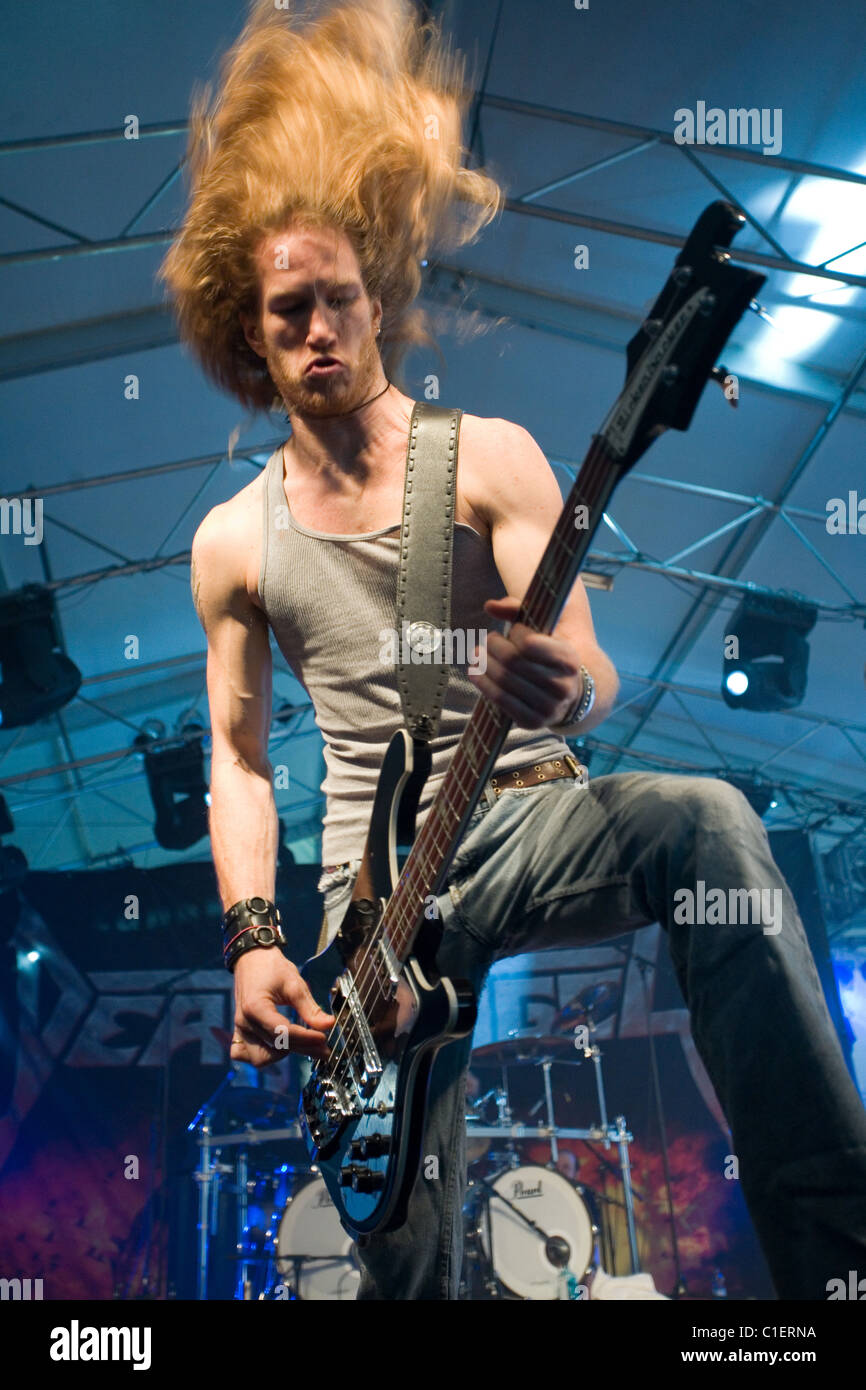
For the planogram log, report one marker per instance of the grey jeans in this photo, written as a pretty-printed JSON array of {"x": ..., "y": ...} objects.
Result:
[{"x": 559, "y": 865}]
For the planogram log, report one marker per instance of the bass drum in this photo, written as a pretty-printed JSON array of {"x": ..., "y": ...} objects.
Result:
[
  {"x": 315, "y": 1257},
  {"x": 516, "y": 1252}
]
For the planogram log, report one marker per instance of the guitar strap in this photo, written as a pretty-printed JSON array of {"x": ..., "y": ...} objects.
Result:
[
  {"x": 423, "y": 591},
  {"x": 424, "y": 574}
]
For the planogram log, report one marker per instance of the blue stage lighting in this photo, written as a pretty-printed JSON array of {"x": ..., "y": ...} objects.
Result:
[{"x": 737, "y": 682}]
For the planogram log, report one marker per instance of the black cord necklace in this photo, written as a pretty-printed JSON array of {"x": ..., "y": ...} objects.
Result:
[{"x": 340, "y": 414}]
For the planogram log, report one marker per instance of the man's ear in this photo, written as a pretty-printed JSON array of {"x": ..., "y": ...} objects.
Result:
[
  {"x": 377, "y": 315},
  {"x": 250, "y": 326}
]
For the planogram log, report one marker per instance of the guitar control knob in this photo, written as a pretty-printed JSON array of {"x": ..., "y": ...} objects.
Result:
[
  {"x": 367, "y": 1180},
  {"x": 371, "y": 1146}
]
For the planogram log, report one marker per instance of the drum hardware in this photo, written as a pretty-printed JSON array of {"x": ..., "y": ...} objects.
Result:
[
  {"x": 313, "y": 1249},
  {"x": 544, "y": 1256},
  {"x": 240, "y": 1104},
  {"x": 596, "y": 1002},
  {"x": 645, "y": 966},
  {"x": 520, "y": 1048},
  {"x": 476, "y": 1146},
  {"x": 261, "y": 1201},
  {"x": 585, "y": 1010}
]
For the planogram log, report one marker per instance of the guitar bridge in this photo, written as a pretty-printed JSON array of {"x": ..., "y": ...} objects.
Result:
[{"x": 357, "y": 1038}]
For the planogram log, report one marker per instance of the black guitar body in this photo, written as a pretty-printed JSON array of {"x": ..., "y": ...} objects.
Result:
[{"x": 370, "y": 1143}]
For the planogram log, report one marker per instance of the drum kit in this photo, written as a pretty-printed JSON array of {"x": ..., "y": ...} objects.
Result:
[
  {"x": 535, "y": 1232},
  {"x": 263, "y": 1210},
  {"x": 532, "y": 1231}
]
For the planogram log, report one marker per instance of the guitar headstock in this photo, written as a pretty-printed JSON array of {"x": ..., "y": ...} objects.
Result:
[{"x": 672, "y": 355}]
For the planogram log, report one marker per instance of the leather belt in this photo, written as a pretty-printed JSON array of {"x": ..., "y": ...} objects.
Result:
[
  {"x": 530, "y": 775},
  {"x": 534, "y": 773}
]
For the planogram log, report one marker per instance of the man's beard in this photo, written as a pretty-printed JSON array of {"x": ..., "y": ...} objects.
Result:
[{"x": 336, "y": 395}]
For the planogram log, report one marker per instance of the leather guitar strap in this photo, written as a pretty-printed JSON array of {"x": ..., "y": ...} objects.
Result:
[
  {"x": 423, "y": 609},
  {"x": 424, "y": 574}
]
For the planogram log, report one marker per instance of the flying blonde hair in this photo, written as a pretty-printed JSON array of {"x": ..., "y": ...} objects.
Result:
[{"x": 351, "y": 119}]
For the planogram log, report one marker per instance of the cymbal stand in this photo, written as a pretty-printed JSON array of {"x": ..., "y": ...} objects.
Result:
[
  {"x": 546, "y": 1064},
  {"x": 623, "y": 1141},
  {"x": 593, "y": 1052},
  {"x": 243, "y": 1289},
  {"x": 208, "y": 1176}
]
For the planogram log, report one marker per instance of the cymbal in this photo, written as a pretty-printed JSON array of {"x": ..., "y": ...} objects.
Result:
[
  {"x": 593, "y": 1004},
  {"x": 251, "y": 1104},
  {"x": 527, "y": 1050}
]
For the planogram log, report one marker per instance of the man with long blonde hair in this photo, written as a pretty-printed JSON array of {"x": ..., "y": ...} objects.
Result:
[{"x": 326, "y": 169}]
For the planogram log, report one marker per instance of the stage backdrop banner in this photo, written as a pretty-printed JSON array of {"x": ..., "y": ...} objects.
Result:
[{"x": 117, "y": 1034}]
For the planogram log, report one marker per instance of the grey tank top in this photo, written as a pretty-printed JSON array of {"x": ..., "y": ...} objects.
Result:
[{"x": 331, "y": 604}]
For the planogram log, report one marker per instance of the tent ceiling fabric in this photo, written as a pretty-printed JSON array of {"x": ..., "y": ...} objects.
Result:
[{"x": 78, "y": 323}]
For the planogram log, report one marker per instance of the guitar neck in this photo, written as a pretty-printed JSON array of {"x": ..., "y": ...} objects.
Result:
[{"x": 486, "y": 730}]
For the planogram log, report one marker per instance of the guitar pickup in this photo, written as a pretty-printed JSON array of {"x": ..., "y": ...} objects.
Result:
[{"x": 365, "y": 1054}]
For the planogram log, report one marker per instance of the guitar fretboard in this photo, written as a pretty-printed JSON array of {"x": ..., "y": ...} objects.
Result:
[{"x": 486, "y": 729}]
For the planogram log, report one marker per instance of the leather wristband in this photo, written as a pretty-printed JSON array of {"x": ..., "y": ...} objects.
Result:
[
  {"x": 250, "y": 923},
  {"x": 581, "y": 707}
]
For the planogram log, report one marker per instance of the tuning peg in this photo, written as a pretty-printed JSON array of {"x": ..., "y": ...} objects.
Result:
[{"x": 721, "y": 374}]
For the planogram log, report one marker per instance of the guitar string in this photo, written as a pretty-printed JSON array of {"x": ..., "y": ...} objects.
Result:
[
  {"x": 340, "y": 1061},
  {"x": 342, "y": 1057},
  {"x": 406, "y": 887},
  {"x": 366, "y": 978}
]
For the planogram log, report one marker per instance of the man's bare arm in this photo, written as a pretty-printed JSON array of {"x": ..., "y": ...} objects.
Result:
[
  {"x": 243, "y": 817},
  {"x": 534, "y": 677}
]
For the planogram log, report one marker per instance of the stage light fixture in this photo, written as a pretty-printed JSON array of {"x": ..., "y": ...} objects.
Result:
[
  {"x": 178, "y": 790},
  {"x": 37, "y": 679},
  {"x": 769, "y": 668},
  {"x": 13, "y": 863},
  {"x": 761, "y": 796},
  {"x": 843, "y": 871}
]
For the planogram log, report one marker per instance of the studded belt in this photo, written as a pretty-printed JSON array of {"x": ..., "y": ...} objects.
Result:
[
  {"x": 534, "y": 773},
  {"x": 531, "y": 775}
]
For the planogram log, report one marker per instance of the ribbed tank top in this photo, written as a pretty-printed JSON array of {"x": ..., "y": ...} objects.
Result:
[{"x": 329, "y": 600}]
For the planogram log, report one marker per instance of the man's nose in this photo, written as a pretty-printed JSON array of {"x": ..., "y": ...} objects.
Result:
[{"x": 321, "y": 327}]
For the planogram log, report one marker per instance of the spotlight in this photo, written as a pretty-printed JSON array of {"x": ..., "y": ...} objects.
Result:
[
  {"x": 37, "y": 679},
  {"x": 32, "y": 957},
  {"x": 768, "y": 670},
  {"x": 737, "y": 682},
  {"x": 760, "y": 796},
  {"x": 175, "y": 776}
]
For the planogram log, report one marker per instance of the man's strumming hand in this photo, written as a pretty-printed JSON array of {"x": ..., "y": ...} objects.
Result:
[{"x": 263, "y": 979}]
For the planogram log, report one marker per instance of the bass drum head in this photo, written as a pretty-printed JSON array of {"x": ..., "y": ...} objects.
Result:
[
  {"x": 518, "y": 1252},
  {"x": 311, "y": 1227}
]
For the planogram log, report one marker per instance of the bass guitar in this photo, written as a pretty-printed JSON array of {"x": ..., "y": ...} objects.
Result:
[{"x": 362, "y": 1109}]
